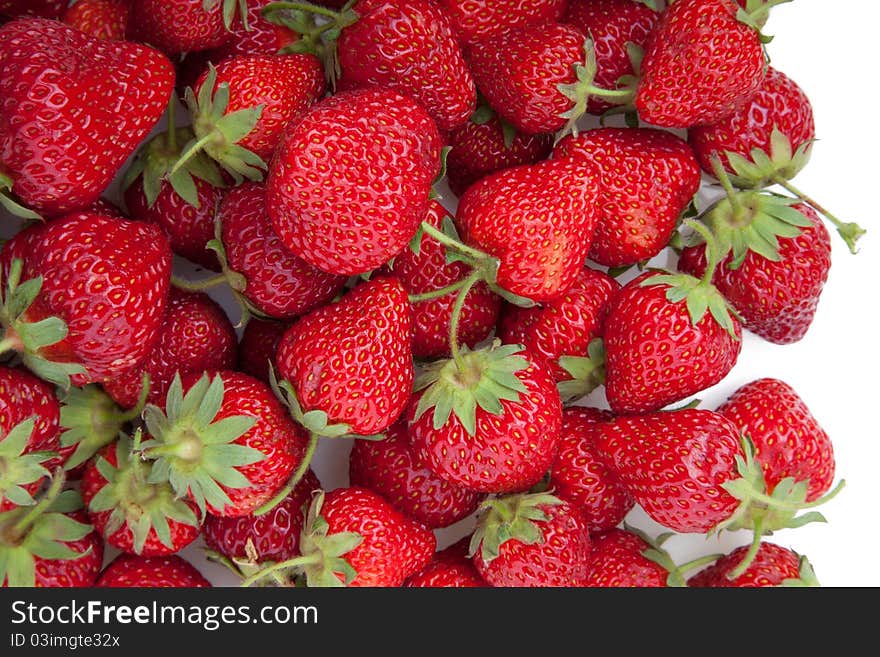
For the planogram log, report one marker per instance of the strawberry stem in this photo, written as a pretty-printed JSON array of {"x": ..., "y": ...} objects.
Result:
[
  {"x": 712, "y": 255},
  {"x": 850, "y": 232},
  {"x": 198, "y": 286},
  {"x": 45, "y": 502},
  {"x": 455, "y": 319},
  {"x": 436, "y": 294},
  {"x": 171, "y": 140},
  {"x": 10, "y": 343},
  {"x": 451, "y": 243},
  {"x": 191, "y": 152},
  {"x": 752, "y": 551},
  {"x": 733, "y": 197},
  {"x": 294, "y": 479},
  {"x": 282, "y": 565},
  {"x": 301, "y": 6}
]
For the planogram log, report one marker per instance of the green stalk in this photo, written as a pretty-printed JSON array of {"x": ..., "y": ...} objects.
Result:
[
  {"x": 10, "y": 344},
  {"x": 294, "y": 479},
  {"x": 732, "y": 195},
  {"x": 752, "y": 551},
  {"x": 281, "y": 565},
  {"x": 171, "y": 141},
  {"x": 198, "y": 286},
  {"x": 438, "y": 293},
  {"x": 454, "y": 347},
  {"x": 451, "y": 243},
  {"x": 302, "y": 6},
  {"x": 51, "y": 494},
  {"x": 191, "y": 152}
]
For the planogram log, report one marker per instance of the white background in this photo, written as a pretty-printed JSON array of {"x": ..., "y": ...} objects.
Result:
[{"x": 831, "y": 54}]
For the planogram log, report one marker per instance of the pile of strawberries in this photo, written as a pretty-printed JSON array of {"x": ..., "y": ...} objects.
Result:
[{"x": 454, "y": 350}]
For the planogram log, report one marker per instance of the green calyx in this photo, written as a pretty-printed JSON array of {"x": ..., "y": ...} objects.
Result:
[
  {"x": 484, "y": 113},
  {"x": 217, "y": 133},
  {"x": 756, "y": 12},
  {"x": 322, "y": 561},
  {"x": 677, "y": 573},
  {"x": 230, "y": 7},
  {"x": 763, "y": 511},
  {"x": 806, "y": 576},
  {"x": 482, "y": 378},
  {"x": 580, "y": 92},
  {"x": 318, "y": 28},
  {"x": 156, "y": 164},
  {"x": 762, "y": 169},
  {"x": 194, "y": 451},
  {"x": 134, "y": 502},
  {"x": 28, "y": 338},
  {"x": 9, "y": 203},
  {"x": 43, "y": 531},
  {"x": 587, "y": 372},
  {"x": 513, "y": 517},
  {"x": 90, "y": 419},
  {"x": 18, "y": 468}
]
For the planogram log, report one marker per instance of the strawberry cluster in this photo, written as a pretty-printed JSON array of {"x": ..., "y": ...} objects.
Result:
[{"x": 509, "y": 355}]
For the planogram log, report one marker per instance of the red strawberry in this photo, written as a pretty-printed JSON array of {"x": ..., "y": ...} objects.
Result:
[
  {"x": 772, "y": 566},
  {"x": 183, "y": 204},
  {"x": 531, "y": 540},
  {"x": 484, "y": 145},
  {"x": 563, "y": 328},
  {"x": 60, "y": 150},
  {"x": 474, "y": 20},
  {"x": 29, "y": 436},
  {"x": 104, "y": 19},
  {"x": 777, "y": 123},
  {"x": 132, "y": 513},
  {"x": 351, "y": 360},
  {"x": 195, "y": 335},
  {"x": 449, "y": 568},
  {"x": 649, "y": 177},
  {"x": 177, "y": 26},
  {"x": 350, "y": 180},
  {"x": 776, "y": 292},
  {"x": 615, "y": 26},
  {"x": 700, "y": 63},
  {"x": 353, "y": 537},
  {"x": 423, "y": 269},
  {"x": 389, "y": 467},
  {"x": 788, "y": 440},
  {"x": 520, "y": 70},
  {"x": 240, "y": 108},
  {"x": 618, "y": 560},
  {"x": 537, "y": 220},
  {"x": 270, "y": 279},
  {"x": 273, "y": 536},
  {"x": 408, "y": 46},
  {"x": 224, "y": 440},
  {"x": 658, "y": 350},
  {"x": 50, "y": 544},
  {"x": 44, "y": 8},
  {"x": 258, "y": 347},
  {"x": 132, "y": 571},
  {"x": 580, "y": 476},
  {"x": 494, "y": 420},
  {"x": 105, "y": 281}
]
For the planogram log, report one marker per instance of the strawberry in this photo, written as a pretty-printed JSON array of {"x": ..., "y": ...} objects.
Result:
[
  {"x": 579, "y": 475},
  {"x": 486, "y": 144},
  {"x": 788, "y": 440},
  {"x": 350, "y": 363},
  {"x": 44, "y": 8},
  {"x": 104, "y": 19},
  {"x": 182, "y": 204},
  {"x": 240, "y": 108},
  {"x": 701, "y": 62},
  {"x": 773, "y": 566},
  {"x": 618, "y": 560},
  {"x": 520, "y": 71},
  {"x": 389, "y": 467},
  {"x": 133, "y": 571},
  {"x": 195, "y": 335},
  {"x": 132, "y": 513},
  {"x": 649, "y": 177},
  {"x": 224, "y": 440},
  {"x": 269, "y": 279},
  {"x": 661, "y": 346},
  {"x": 424, "y": 269},
  {"x": 49, "y": 544},
  {"x": 256, "y": 539},
  {"x": 619, "y": 30},
  {"x": 177, "y": 26},
  {"x": 405, "y": 46},
  {"x": 537, "y": 220},
  {"x": 101, "y": 282},
  {"x": 776, "y": 291},
  {"x": 561, "y": 331},
  {"x": 473, "y": 20},
  {"x": 531, "y": 540},
  {"x": 495, "y": 420},
  {"x": 258, "y": 347},
  {"x": 60, "y": 150},
  {"x": 353, "y": 537},
  {"x": 29, "y": 436},
  {"x": 449, "y": 568},
  {"x": 386, "y": 149}
]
